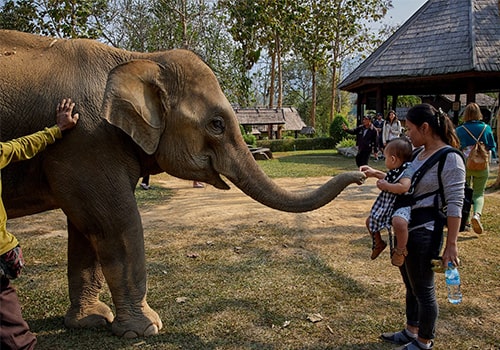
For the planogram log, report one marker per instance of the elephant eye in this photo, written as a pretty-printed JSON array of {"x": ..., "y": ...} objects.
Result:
[{"x": 217, "y": 125}]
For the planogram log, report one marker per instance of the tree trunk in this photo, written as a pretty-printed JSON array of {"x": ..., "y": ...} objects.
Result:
[
  {"x": 313, "y": 98},
  {"x": 334, "y": 92},
  {"x": 273, "y": 78},
  {"x": 280, "y": 72}
]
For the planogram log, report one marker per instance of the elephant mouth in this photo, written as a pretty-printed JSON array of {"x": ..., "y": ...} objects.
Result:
[
  {"x": 219, "y": 183},
  {"x": 213, "y": 176}
]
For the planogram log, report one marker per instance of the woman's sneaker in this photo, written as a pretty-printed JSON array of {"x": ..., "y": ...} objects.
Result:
[
  {"x": 401, "y": 338},
  {"x": 476, "y": 223},
  {"x": 415, "y": 345}
]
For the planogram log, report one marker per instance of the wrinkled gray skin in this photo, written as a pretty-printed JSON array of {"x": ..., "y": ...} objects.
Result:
[{"x": 139, "y": 114}]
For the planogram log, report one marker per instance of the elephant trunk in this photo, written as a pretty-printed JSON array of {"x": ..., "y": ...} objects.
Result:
[{"x": 252, "y": 180}]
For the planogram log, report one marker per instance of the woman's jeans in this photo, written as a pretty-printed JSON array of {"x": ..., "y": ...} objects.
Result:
[{"x": 421, "y": 304}]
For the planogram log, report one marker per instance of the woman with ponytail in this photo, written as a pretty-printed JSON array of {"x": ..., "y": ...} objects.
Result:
[{"x": 430, "y": 130}]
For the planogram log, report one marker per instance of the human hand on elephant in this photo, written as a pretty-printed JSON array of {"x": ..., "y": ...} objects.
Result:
[{"x": 63, "y": 117}]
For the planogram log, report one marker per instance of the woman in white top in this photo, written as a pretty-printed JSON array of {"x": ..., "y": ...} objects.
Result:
[{"x": 392, "y": 127}]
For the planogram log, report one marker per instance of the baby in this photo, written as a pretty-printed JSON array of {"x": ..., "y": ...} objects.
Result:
[{"x": 383, "y": 214}]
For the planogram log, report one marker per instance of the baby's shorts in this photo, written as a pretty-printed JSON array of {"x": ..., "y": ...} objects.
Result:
[{"x": 403, "y": 212}]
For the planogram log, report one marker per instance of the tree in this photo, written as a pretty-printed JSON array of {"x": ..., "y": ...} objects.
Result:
[
  {"x": 61, "y": 18},
  {"x": 312, "y": 41},
  {"x": 18, "y": 15},
  {"x": 242, "y": 20},
  {"x": 128, "y": 25},
  {"x": 274, "y": 20},
  {"x": 351, "y": 34}
]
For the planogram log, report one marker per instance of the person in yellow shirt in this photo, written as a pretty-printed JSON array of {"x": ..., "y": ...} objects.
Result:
[{"x": 14, "y": 331}]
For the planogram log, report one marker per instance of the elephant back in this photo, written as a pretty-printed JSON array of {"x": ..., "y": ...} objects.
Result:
[{"x": 37, "y": 72}]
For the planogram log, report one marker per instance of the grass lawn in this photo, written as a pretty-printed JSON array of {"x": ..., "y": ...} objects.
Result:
[{"x": 260, "y": 284}]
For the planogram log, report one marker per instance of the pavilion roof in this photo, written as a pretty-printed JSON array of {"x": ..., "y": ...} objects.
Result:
[
  {"x": 443, "y": 48},
  {"x": 287, "y": 116}
]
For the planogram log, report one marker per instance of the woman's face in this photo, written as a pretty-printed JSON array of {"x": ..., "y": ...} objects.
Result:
[
  {"x": 391, "y": 116},
  {"x": 414, "y": 133}
]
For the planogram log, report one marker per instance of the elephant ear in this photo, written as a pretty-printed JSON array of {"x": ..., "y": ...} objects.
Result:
[{"x": 135, "y": 101}]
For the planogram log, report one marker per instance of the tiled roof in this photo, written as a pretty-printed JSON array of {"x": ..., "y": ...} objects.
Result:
[{"x": 444, "y": 37}]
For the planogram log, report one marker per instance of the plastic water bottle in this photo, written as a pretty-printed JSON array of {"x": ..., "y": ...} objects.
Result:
[{"x": 453, "y": 284}]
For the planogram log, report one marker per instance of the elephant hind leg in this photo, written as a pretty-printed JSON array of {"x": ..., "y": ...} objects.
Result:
[{"x": 85, "y": 281}]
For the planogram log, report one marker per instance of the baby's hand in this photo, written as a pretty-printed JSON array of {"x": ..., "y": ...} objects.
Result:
[
  {"x": 367, "y": 170},
  {"x": 381, "y": 184}
]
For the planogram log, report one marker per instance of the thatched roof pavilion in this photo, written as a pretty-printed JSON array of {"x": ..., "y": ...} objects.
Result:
[
  {"x": 446, "y": 47},
  {"x": 270, "y": 120}
]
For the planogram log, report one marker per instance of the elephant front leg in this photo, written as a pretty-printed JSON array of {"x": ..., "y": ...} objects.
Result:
[
  {"x": 85, "y": 280},
  {"x": 123, "y": 263}
]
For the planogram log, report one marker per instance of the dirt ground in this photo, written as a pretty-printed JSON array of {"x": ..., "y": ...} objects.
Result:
[{"x": 222, "y": 209}]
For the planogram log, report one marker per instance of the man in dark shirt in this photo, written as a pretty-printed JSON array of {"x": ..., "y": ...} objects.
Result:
[{"x": 366, "y": 140}]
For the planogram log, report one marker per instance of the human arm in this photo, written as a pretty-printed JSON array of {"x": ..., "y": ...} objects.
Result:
[
  {"x": 27, "y": 147},
  {"x": 453, "y": 182},
  {"x": 370, "y": 172},
  {"x": 347, "y": 130},
  {"x": 490, "y": 140},
  {"x": 399, "y": 129},
  {"x": 450, "y": 252},
  {"x": 385, "y": 133},
  {"x": 400, "y": 187}
]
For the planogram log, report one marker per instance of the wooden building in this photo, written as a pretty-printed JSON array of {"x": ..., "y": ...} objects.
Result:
[
  {"x": 270, "y": 122},
  {"x": 447, "y": 47}
]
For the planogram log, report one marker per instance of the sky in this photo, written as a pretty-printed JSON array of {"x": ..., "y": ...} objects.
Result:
[{"x": 402, "y": 10}]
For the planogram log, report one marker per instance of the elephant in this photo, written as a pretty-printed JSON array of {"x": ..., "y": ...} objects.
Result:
[{"x": 140, "y": 114}]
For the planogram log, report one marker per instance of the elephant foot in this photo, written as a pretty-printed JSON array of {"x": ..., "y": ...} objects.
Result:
[
  {"x": 133, "y": 325},
  {"x": 90, "y": 316}
]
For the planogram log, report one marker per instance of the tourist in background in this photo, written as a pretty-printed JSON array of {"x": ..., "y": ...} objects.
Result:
[
  {"x": 473, "y": 123},
  {"x": 366, "y": 140},
  {"x": 145, "y": 183},
  {"x": 392, "y": 127}
]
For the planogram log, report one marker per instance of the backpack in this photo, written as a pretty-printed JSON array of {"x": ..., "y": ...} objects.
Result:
[
  {"x": 478, "y": 156},
  {"x": 440, "y": 156}
]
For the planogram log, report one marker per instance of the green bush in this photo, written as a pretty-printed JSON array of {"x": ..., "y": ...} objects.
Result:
[
  {"x": 346, "y": 142},
  {"x": 250, "y": 139},
  {"x": 336, "y": 131},
  {"x": 247, "y": 137}
]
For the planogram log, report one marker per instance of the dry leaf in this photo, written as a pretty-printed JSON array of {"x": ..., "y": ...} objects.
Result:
[
  {"x": 181, "y": 300},
  {"x": 314, "y": 318}
]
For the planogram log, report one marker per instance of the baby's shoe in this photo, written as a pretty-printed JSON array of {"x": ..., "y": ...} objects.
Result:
[{"x": 398, "y": 256}]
